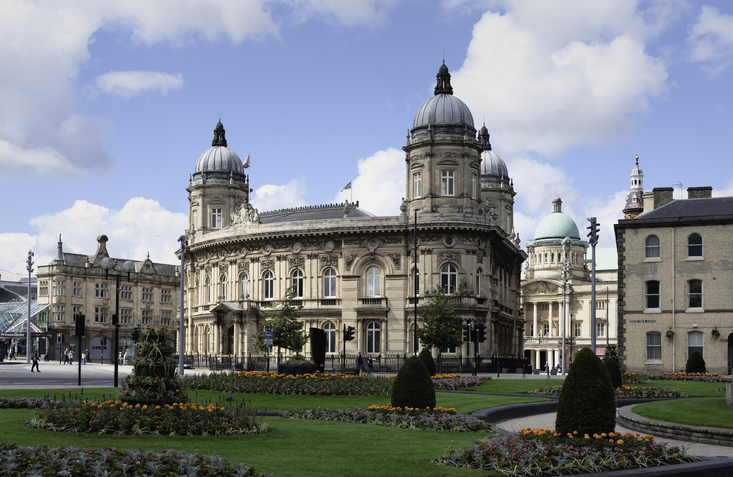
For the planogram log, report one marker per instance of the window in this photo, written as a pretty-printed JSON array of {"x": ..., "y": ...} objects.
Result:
[
  {"x": 374, "y": 282},
  {"x": 147, "y": 294},
  {"x": 101, "y": 290},
  {"x": 417, "y": 185},
  {"x": 329, "y": 283},
  {"x": 478, "y": 282},
  {"x": 694, "y": 245},
  {"x": 165, "y": 317},
  {"x": 58, "y": 312},
  {"x": 694, "y": 294},
  {"x": 147, "y": 317},
  {"x": 43, "y": 288},
  {"x": 694, "y": 342},
  {"x": 545, "y": 329},
  {"x": 58, "y": 288},
  {"x": 77, "y": 289},
  {"x": 652, "y": 295},
  {"x": 448, "y": 278},
  {"x": 474, "y": 187},
  {"x": 330, "y": 330},
  {"x": 600, "y": 305},
  {"x": 652, "y": 247},
  {"x": 545, "y": 306},
  {"x": 100, "y": 314},
  {"x": 126, "y": 292},
  {"x": 373, "y": 337},
  {"x": 269, "y": 285},
  {"x": 125, "y": 316},
  {"x": 600, "y": 329},
  {"x": 75, "y": 310},
  {"x": 297, "y": 283},
  {"x": 244, "y": 289},
  {"x": 165, "y": 295},
  {"x": 415, "y": 282},
  {"x": 207, "y": 290},
  {"x": 654, "y": 346},
  {"x": 531, "y": 329},
  {"x": 576, "y": 329},
  {"x": 446, "y": 183},
  {"x": 215, "y": 218},
  {"x": 223, "y": 288}
]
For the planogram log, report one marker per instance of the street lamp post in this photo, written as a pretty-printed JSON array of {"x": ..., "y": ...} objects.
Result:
[
  {"x": 109, "y": 264},
  {"x": 183, "y": 241},
  {"x": 414, "y": 283},
  {"x": 28, "y": 343}
]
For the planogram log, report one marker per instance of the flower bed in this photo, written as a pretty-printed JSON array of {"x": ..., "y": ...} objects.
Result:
[
  {"x": 438, "y": 419},
  {"x": 640, "y": 378},
  {"x": 624, "y": 392},
  {"x": 453, "y": 381},
  {"x": 76, "y": 461},
  {"x": 25, "y": 403},
  {"x": 115, "y": 417},
  {"x": 543, "y": 452}
]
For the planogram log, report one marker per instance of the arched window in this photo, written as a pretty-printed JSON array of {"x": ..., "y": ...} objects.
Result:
[
  {"x": 652, "y": 247},
  {"x": 244, "y": 289},
  {"x": 373, "y": 337},
  {"x": 269, "y": 283},
  {"x": 329, "y": 283},
  {"x": 207, "y": 291},
  {"x": 654, "y": 346},
  {"x": 694, "y": 294},
  {"x": 374, "y": 282},
  {"x": 694, "y": 245},
  {"x": 330, "y": 330},
  {"x": 694, "y": 342},
  {"x": 297, "y": 283},
  {"x": 652, "y": 295},
  {"x": 448, "y": 278},
  {"x": 223, "y": 288}
]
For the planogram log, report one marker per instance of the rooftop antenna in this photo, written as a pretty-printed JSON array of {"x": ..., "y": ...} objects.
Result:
[{"x": 680, "y": 186}]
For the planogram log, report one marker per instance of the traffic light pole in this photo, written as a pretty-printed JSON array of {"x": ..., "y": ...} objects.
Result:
[{"x": 593, "y": 234}]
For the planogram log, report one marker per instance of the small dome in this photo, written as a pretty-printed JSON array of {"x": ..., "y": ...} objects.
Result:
[
  {"x": 556, "y": 225},
  {"x": 443, "y": 110},
  {"x": 219, "y": 158},
  {"x": 493, "y": 169}
]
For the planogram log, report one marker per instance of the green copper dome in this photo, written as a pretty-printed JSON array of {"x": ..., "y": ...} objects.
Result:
[{"x": 556, "y": 225}]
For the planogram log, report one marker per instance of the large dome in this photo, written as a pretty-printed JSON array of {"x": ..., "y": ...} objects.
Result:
[
  {"x": 493, "y": 168},
  {"x": 219, "y": 158},
  {"x": 443, "y": 114},
  {"x": 556, "y": 225}
]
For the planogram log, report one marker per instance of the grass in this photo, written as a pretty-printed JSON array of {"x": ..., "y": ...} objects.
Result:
[
  {"x": 518, "y": 386},
  {"x": 691, "y": 388},
  {"x": 705, "y": 411}
]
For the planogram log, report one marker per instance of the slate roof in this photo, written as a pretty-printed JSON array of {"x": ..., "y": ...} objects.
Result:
[
  {"x": 314, "y": 212},
  {"x": 706, "y": 207},
  {"x": 79, "y": 260}
]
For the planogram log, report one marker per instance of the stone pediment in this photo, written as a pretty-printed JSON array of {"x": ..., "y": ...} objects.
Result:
[{"x": 541, "y": 287}]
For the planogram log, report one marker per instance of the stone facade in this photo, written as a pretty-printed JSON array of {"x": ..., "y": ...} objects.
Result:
[{"x": 674, "y": 283}]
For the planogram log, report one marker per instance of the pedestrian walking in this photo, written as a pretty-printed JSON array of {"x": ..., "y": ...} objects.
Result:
[
  {"x": 369, "y": 365},
  {"x": 89, "y": 356},
  {"x": 359, "y": 363},
  {"x": 71, "y": 356},
  {"x": 35, "y": 359},
  {"x": 124, "y": 358},
  {"x": 66, "y": 356},
  {"x": 83, "y": 358}
]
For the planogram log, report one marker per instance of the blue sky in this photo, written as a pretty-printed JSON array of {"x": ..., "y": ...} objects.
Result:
[{"x": 105, "y": 106}]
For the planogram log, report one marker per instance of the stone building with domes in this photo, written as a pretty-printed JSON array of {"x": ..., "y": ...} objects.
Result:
[
  {"x": 350, "y": 267},
  {"x": 557, "y": 244}
]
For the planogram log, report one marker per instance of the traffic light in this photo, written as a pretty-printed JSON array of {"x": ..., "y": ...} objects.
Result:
[
  {"x": 467, "y": 332},
  {"x": 104, "y": 341},
  {"x": 349, "y": 333},
  {"x": 481, "y": 332},
  {"x": 59, "y": 337},
  {"x": 136, "y": 335},
  {"x": 80, "y": 324},
  {"x": 593, "y": 234},
  {"x": 114, "y": 318}
]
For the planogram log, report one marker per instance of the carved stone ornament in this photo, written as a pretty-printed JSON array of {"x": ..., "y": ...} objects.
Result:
[
  {"x": 329, "y": 261},
  {"x": 268, "y": 263},
  {"x": 352, "y": 242},
  {"x": 396, "y": 259},
  {"x": 245, "y": 214},
  {"x": 223, "y": 267},
  {"x": 480, "y": 256},
  {"x": 449, "y": 256},
  {"x": 243, "y": 266},
  {"x": 392, "y": 240},
  {"x": 349, "y": 260},
  {"x": 208, "y": 269},
  {"x": 296, "y": 262},
  {"x": 540, "y": 288}
]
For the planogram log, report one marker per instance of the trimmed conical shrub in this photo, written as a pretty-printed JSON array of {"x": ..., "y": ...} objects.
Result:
[
  {"x": 695, "y": 363},
  {"x": 413, "y": 387},
  {"x": 427, "y": 358},
  {"x": 614, "y": 372},
  {"x": 587, "y": 401}
]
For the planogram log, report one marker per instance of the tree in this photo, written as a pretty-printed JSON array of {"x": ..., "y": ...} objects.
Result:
[
  {"x": 441, "y": 324},
  {"x": 285, "y": 324},
  {"x": 695, "y": 363},
  {"x": 413, "y": 386}
]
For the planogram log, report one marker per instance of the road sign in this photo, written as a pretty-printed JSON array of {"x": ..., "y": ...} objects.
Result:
[
  {"x": 268, "y": 335},
  {"x": 268, "y": 341}
]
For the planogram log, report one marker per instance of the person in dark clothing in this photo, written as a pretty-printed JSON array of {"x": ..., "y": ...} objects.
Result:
[{"x": 35, "y": 359}]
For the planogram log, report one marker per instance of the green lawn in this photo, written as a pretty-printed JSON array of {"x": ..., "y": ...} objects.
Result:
[
  {"x": 705, "y": 411},
  {"x": 516, "y": 385},
  {"x": 691, "y": 388}
]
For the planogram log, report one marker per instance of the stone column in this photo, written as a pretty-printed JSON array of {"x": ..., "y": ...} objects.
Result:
[
  {"x": 534, "y": 322},
  {"x": 549, "y": 319}
]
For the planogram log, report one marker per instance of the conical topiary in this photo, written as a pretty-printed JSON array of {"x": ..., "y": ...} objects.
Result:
[
  {"x": 413, "y": 387},
  {"x": 427, "y": 358},
  {"x": 587, "y": 401},
  {"x": 695, "y": 363},
  {"x": 614, "y": 372}
]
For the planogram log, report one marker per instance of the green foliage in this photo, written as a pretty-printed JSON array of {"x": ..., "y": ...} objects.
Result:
[
  {"x": 695, "y": 363},
  {"x": 587, "y": 401},
  {"x": 441, "y": 324},
  {"x": 285, "y": 323},
  {"x": 413, "y": 386},
  {"x": 614, "y": 372},
  {"x": 611, "y": 352},
  {"x": 427, "y": 358}
]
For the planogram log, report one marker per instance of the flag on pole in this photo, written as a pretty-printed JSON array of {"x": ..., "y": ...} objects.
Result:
[
  {"x": 245, "y": 164},
  {"x": 346, "y": 187}
]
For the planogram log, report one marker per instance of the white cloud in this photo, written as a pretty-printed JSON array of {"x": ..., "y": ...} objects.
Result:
[
  {"x": 142, "y": 226},
  {"x": 710, "y": 40},
  {"x": 273, "y": 197},
  {"x": 350, "y": 13},
  {"x": 549, "y": 77},
  {"x": 132, "y": 83},
  {"x": 727, "y": 192},
  {"x": 380, "y": 184}
]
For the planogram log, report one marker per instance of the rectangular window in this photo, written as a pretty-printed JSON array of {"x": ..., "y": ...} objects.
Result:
[
  {"x": 101, "y": 290},
  {"x": 652, "y": 295},
  {"x": 576, "y": 329},
  {"x": 531, "y": 329},
  {"x": 165, "y": 317},
  {"x": 100, "y": 314},
  {"x": 165, "y": 295},
  {"x": 654, "y": 346},
  {"x": 447, "y": 183},
  {"x": 694, "y": 293},
  {"x": 75, "y": 310},
  {"x": 125, "y": 316},
  {"x": 545, "y": 329},
  {"x": 43, "y": 288},
  {"x": 215, "y": 218},
  {"x": 147, "y": 317},
  {"x": 474, "y": 186},
  {"x": 58, "y": 312},
  {"x": 694, "y": 342},
  {"x": 147, "y": 294},
  {"x": 58, "y": 288},
  {"x": 126, "y": 292},
  {"x": 417, "y": 185},
  {"x": 600, "y": 305},
  {"x": 77, "y": 289},
  {"x": 600, "y": 329}
]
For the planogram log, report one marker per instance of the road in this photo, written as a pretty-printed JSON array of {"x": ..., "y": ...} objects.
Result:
[{"x": 17, "y": 374}]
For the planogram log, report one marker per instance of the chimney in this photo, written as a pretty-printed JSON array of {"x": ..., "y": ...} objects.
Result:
[
  {"x": 699, "y": 192},
  {"x": 662, "y": 195}
]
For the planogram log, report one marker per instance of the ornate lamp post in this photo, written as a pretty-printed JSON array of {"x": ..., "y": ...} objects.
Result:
[
  {"x": 414, "y": 283},
  {"x": 127, "y": 267},
  {"x": 28, "y": 343},
  {"x": 181, "y": 343}
]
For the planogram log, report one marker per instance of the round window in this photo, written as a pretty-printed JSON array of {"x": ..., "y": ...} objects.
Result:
[
  {"x": 268, "y": 248},
  {"x": 449, "y": 240},
  {"x": 296, "y": 247},
  {"x": 372, "y": 243},
  {"x": 329, "y": 245}
]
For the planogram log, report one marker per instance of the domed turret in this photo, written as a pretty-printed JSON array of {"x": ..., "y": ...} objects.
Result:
[
  {"x": 635, "y": 200},
  {"x": 556, "y": 225},
  {"x": 219, "y": 158}
]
